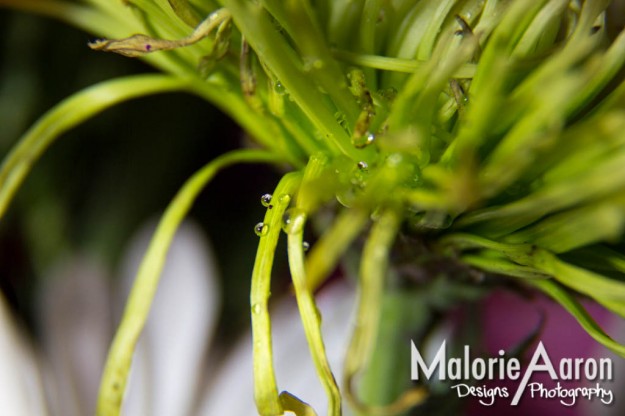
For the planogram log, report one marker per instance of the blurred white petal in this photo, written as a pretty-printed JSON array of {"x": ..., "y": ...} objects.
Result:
[
  {"x": 168, "y": 363},
  {"x": 75, "y": 314},
  {"x": 21, "y": 392},
  {"x": 232, "y": 392}
]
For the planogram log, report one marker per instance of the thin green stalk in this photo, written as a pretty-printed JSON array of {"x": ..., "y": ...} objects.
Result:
[
  {"x": 297, "y": 17},
  {"x": 387, "y": 63},
  {"x": 265, "y": 386},
  {"x": 607, "y": 291},
  {"x": 257, "y": 125},
  {"x": 343, "y": 20},
  {"x": 432, "y": 31},
  {"x": 502, "y": 266},
  {"x": 367, "y": 35},
  {"x": 373, "y": 271},
  {"x": 112, "y": 20},
  {"x": 139, "y": 45},
  {"x": 105, "y": 19},
  {"x": 589, "y": 224},
  {"x": 69, "y": 113},
  {"x": 185, "y": 11},
  {"x": 274, "y": 51},
  {"x": 568, "y": 301},
  {"x": 114, "y": 379},
  {"x": 372, "y": 278},
  {"x": 309, "y": 313},
  {"x": 332, "y": 244},
  {"x": 62, "y": 10},
  {"x": 117, "y": 11},
  {"x": 163, "y": 23},
  {"x": 598, "y": 287},
  {"x": 597, "y": 182}
]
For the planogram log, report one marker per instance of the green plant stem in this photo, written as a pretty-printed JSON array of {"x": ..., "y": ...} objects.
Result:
[
  {"x": 274, "y": 51},
  {"x": 185, "y": 12},
  {"x": 309, "y": 313},
  {"x": 372, "y": 277},
  {"x": 569, "y": 303},
  {"x": 326, "y": 253},
  {"x": 119, "y": 359},
  {"x": 373, "y": 271},
  {"x": 68, "y": 114},
  {"x": 297, "y": 17},
  {"x": 63, "y": 10},
  {"x": 265, "y": 386},
  {"x": 386, "y": 63}
]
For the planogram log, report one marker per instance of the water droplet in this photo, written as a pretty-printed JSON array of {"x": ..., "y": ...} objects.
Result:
[
  {"x": 266, "y": 200},
  {"x": 346, "y": 196},
  {"x": 286, "y": 221},
  {"x": 256, "y": 308},
  {"x": 279, "y": 88},
  {"x": 261, "y": 229},
  {"x": 305, "y": 245},
  {"x": 285, "y": 199},
  {"x": 363, "y": 141},
  {"x": 363, "y": 165},
  {"x": 291, "y": 223}
]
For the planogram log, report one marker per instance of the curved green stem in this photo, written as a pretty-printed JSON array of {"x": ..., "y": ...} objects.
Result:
[
  {"x": 332, "y": 245},
  {"x": 119, "y": 359},
  {"x": 265, "y": 386},
  {"x": 373, "y": 269},
  {"x": 569, "y": 303},
  {"x": 309, "y": 312},
  {"x": 69, "y": 113},
  {"x": 387, "y": 63}
]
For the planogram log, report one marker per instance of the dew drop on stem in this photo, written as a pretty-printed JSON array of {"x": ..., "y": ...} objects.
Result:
[
  {"x": 265, "y": 200},
  {"x": 360, "y": 142},
  {"x": 286, "y": 221},
  {"x": 279, "y": 88},
  {"x": 261, "y": 229},
  {"x": 285, "y": 199},
  {"x": 289, "y": 220}
]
